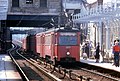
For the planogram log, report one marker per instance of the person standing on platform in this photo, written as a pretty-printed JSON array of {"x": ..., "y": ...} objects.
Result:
[
  {"x": 116, "y": 51},
  {"x": 97, "y": 56},
  {"x": 87, "y": 49}
]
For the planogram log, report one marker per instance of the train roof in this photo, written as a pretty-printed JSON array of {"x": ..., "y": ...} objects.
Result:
[{"x": 61, "y": 29}]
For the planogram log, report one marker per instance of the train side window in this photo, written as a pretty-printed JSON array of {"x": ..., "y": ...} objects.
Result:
[
  {"x": 53, "y": 39},
  {"x": 48, "y": 40}
]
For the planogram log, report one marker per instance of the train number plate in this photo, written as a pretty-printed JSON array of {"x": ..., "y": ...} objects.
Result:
[{"x": 68, "y": 47}]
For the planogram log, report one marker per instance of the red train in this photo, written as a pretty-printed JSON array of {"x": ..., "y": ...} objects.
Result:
[{"x": 63, "y": 43}]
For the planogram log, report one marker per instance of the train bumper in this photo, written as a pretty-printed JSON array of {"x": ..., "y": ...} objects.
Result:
[{"x": 67, "y": 59}]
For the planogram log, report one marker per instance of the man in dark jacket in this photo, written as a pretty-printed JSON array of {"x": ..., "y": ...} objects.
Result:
[
  {"x": 97, "y": 56},
  {"x": 87, "y": 49}
]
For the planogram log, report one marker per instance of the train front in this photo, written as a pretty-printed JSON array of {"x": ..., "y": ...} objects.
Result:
[{"x": 68, "y": 48}]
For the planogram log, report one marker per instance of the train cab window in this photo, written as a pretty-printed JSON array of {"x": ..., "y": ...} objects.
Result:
[
  {"x": 29, "y": 1},
  {"x": 68, "y": 40}
]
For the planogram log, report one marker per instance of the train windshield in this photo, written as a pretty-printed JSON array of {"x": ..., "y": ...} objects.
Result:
[{"x": 68, "y": 40}]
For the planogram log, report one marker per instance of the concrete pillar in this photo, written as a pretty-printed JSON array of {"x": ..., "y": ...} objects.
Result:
[
  {"x": 0, "y": 23},
  {"x": 0, "y": 35},
  {"x": 108, "y": 42},
  {"x": 3, "y": 37},
  {"x": 100, "y": 40},
  {"x": 100, "y": 33},
  {"x": 8, "y": 38}
]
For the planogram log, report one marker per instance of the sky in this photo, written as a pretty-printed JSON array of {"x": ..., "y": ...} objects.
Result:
[{"x": 91, "y": 1}]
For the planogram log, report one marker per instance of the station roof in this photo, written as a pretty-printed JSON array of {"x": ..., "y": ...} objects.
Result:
[{"x": 99, "y": 13}]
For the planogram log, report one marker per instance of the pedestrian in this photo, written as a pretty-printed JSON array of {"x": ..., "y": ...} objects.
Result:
[
  {"x": 116, "y": 51},
  {"x": 87, "y": 49},
  {"x": 97, "y": 56}
]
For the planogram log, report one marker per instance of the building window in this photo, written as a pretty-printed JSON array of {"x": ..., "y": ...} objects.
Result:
[
  {"x": 77, "y": 11},
  {"x": 15, "y": 3},
  {"x": 43, "y": 3},
  {"x": 29, "y": 1}
]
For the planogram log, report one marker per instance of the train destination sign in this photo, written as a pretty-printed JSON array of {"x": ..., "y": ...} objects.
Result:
[{"x": 68, "y": 33}]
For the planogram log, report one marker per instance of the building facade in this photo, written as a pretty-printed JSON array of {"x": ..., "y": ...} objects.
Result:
[{"x": 34, "y": 7}]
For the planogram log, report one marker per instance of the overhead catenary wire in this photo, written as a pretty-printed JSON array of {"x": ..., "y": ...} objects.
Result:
[
  {"x": 52, "y": 19},
  {"x": 20, "y": 21}
]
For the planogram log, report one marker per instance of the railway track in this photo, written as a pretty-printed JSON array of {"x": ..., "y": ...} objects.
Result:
[
  {"x": 30, "y": 66},
  {"x": 28, "y": 69},
  {"x": 108, "y": 74}
]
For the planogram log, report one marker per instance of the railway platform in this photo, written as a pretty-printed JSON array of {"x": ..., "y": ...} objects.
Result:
[
  {"x": 8, "y": 71},
  {"x": 100, "y": 64}
]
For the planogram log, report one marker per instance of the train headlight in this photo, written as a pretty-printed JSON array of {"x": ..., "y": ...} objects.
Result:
[{"x": 68, "y": 53}]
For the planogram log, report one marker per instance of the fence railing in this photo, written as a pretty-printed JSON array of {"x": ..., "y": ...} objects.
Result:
[{"x": 100, "y": 10}]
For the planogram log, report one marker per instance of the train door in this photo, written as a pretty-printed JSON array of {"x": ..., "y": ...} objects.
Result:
[
  {"x": 53, "y": 46},
  {"x": 56, "y": 45}
]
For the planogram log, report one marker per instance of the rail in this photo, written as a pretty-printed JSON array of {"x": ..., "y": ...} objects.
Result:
[
  {"x": 17, "y": 65},
  {"x": 48, "y": 74}
]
